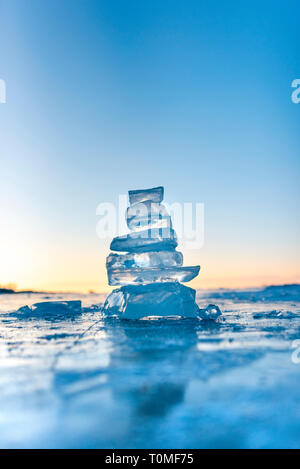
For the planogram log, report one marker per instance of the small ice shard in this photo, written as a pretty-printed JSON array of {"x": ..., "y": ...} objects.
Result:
[
  {"x": 137, "y": 276},
  {"x": 156, "y": 194},
  {"x": 211, "y": 312},
  {"x": 115, "y": 302},
  {"x": 147, "y": 240},
  {"x": 144, "y": 259},
  {"x": 52, "y": 307},
  {"x": 24, "y": 310},
  {"x": 147, "y": 214},
  {"x": 155, "y": 299},
  {"x": 275, "y": 314}
]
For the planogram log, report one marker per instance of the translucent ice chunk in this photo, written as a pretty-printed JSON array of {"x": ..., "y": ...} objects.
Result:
[
  {"x": 115, "y": 302},
  {"x": 156, "y": 194},
  {"x": 156, "y": 299},
  {"x": 52, "y": 307},
  {"x": 210, "y": 312},
  {"x": 147, "y": 214},
  {"x": 144, "y": 259},
  {"x": 151, "y": 274},
  {"x": 147, "y": 240}
]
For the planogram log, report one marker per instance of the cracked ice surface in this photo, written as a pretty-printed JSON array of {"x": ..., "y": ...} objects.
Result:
[{"x": 85, "y": 381}]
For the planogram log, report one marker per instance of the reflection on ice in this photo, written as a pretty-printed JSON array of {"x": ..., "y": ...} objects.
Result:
[{"x": 89, "y": 381}]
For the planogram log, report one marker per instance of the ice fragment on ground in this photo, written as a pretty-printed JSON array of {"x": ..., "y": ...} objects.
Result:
[
  {"x": 275, "y": 314},
  {"x": 51, "y": 307},
  {"x": 211, "y": 312}
]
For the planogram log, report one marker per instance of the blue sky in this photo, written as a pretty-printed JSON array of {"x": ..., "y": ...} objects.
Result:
[{"x": 106, "y": 96}]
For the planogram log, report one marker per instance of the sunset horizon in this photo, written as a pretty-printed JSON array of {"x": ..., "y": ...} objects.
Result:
[{"x": 149, "y": 228}]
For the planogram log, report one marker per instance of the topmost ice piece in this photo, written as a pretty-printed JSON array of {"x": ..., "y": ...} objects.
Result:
[{"x": 156, "y": 194}]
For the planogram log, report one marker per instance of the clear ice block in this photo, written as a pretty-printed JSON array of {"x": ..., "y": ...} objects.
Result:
[
  {"x": 162, "y": 239},
  {"x": 134, "y": 276},
  {"x": 156, "y": 194},
  {"x": 144, "y": 259},
  {"x": 155, "y": 299},
  {"x": 147, "y": 214}
]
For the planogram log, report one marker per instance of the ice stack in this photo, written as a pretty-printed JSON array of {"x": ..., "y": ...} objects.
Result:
[{"x": 149, "y": 269}]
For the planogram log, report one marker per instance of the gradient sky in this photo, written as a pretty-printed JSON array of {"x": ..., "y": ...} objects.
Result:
[{"x": 106, "y": 96}]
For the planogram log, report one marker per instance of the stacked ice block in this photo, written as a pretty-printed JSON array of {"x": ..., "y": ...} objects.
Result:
[{"x": 149, "y": 269}]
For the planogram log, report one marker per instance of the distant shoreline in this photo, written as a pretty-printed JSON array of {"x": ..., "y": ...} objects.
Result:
[
  {"x": 9, "y": 291},
  {"x": 6, "y": 291}
]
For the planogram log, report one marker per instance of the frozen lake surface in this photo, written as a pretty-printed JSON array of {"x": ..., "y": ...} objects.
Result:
[{"x": 83, "y": 381}]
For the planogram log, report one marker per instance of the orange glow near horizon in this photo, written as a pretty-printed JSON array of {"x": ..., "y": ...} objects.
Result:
[
  {"x": 80, "y": 267},
  {"x": 86, "y": 284},
  {"x": 206, "y": 285}
]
